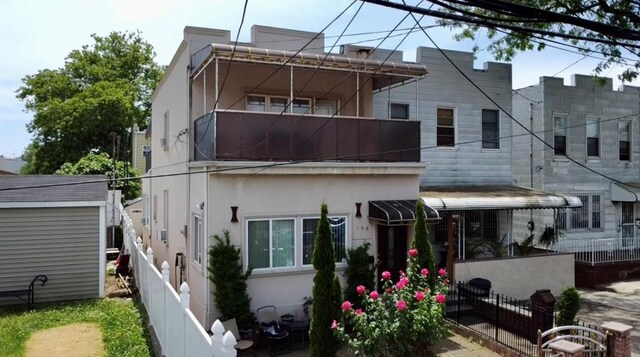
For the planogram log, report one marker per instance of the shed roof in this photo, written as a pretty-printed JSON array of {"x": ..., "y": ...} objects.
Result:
[{"x": 52, "y": 188}]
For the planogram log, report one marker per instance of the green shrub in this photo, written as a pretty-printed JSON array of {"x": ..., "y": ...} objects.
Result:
[
  {"x": 359, "y": 271},
  {"x": 568, "y": 306},
  {"x": 225, "y": 272}
]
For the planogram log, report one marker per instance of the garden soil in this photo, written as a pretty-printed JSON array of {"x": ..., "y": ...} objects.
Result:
[{"x": 75, "y": 340}]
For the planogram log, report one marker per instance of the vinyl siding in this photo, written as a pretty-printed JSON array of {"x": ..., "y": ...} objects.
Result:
[{"x": 61, "y": 243}]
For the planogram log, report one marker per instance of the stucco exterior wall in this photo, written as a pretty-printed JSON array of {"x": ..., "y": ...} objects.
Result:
[{"x": 520, "y": 277}]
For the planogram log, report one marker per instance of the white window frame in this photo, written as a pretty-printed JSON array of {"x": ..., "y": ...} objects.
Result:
[
  {"x": 267, "y": 103},
  {"x": 335, "y": 100},
  {"x": 630, "y": 126},
  {"x": 270, "y": 220},
  {"x": 497, "y": 129},
  {"x": 197, "y": 241},
  {"x": 589, "y": 119},
  {"x": 566, "y": 133},
  {"x": 568, "y": 212},
  {"x": 455, "y": 128},
  {"x": 345, "y": 243}
]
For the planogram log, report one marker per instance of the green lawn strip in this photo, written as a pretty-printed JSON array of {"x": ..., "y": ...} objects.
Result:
[{"x": 119, "y": 321}]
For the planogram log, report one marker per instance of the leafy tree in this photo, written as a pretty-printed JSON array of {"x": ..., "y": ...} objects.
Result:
[
  {"x": 606, "y": 29},
  {"x": 225, "y": 272},
  {"x": 101, "y": 164},
  {"x": 326, "y": 291},
  {"x": 102, "y": 88},
  {"x": 421, "y": 243},
  {"x": 359, "y": 271}
]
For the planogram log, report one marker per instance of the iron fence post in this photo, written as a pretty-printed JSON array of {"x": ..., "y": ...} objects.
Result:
[
  {"x": 497, "y": 315},
  {"x": 458, "y": 307}
]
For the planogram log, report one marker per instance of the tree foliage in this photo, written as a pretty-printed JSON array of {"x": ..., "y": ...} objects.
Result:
[
  {"x": 568, "y": 306},
  {"x": 102, "y": 164},
  {"x": 326, "y": 291},
  {"x": 359, "y": 271},
  {"x": 421, "y": 243},
  {"x": 225, "y": 272},
  {"x": 102, "y": 88},
  {"x": 607, "y": 30}
]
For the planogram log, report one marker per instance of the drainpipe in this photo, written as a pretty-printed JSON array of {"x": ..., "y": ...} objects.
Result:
[
  {"x": 205, "y": 257},
  {"x": 357, "y": 93},
  {"x": 531, "y": 155},
  {"x": 291, "y": 89}
]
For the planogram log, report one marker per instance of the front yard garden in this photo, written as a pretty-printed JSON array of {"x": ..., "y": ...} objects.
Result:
[{"x": 117, "y": 326}]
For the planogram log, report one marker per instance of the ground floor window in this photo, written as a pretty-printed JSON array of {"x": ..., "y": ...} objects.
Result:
[
  {"x": 271, "y": 243},
  {"x": 309, "y": 230},
  {"x": 582, "y": 218}
]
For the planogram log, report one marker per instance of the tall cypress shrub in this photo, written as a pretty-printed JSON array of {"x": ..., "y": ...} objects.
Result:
[
  {"x": 421, "y": 243},
  {"x": 325, "y": 306},
  {"x": 225, "y": 272}
]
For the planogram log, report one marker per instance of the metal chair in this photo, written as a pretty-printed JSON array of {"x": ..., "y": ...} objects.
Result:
[
  {"x": 241, "y": 344},
  {"x": 278, "y": 339}
]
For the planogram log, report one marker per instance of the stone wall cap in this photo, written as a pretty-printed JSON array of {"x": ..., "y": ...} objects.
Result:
[
  {"x": 616, "y": 327},
  {"x": 566, "y": 346}
]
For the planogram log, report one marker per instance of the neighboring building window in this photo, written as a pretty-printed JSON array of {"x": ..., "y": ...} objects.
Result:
[
  {"x": 271, "y": 243},
  {"x": 273, "y": 104},
  {"x": 301, "y": 106},
  {"x": 256, "y": 103},
  {"x": 560, "y": 135},
  {"x": 197, "y": 238},
  {"x": 309, "y": 229},
  {"x": 624, "y": 140},
  {"x": 490, "y": 130},
  {"x": 593, "y": 137},
  {"x": 398, "y": 111},
  {"x": 586, "y": 217},
  {"x": 481, "y": 224},
  {"x": 278, "y": 105},
  {"x": 325, "y": 106},
  {"x": 441, "y": 228},
  {"x": 445, "y": 131}
]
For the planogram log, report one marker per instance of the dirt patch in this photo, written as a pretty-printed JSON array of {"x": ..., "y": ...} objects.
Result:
[{"x": 75, "y": 340}]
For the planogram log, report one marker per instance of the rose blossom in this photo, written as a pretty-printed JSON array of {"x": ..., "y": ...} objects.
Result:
[
  {"x": 334, "y": 325},
  {"x": 389, "y": 290},
  {"x": 413, "y": 252},
  {"x": 404, "y": 280},
  {"x": 386, "y": 275},
  {"x": 358, "y": 312},
  {"x": 401, "y": 305},
  {"x": 346, "y": 306},
  {"x": 424, "y": 271},
  {"x": 400, "y": 285},
  {"x": 442, "y": 272},
  {"x": 440, "y": 298},
  {"x": 373, "y": 295},
  {"x": 419, "y": 295},
  {"x": 360, "y": 289}
]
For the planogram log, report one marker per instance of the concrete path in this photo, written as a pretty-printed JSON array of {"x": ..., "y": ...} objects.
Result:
[{"x": 618, "y": 302}]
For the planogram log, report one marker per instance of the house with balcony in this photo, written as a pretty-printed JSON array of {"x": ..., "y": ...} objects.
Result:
[
  {"x": 591, "y": 129},
  {"x": 252, "y": 138}
]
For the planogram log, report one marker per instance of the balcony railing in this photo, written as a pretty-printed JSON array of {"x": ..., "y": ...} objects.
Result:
[{"x": 273, "y": 137}]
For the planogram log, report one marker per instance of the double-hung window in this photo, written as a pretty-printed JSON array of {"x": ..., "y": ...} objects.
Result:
[
  {"x": 624, "y": 140},
  {"x": 560, "y": 135},
  {"x": 490, "y": 129},
  {"x": 582, "y": 218},
  {"x": 445, "y": 129},
  {"x": 197, "y": 238},
  {"x": 271, "y": 243},
  {"x": 593, "y": 137},
  {"x": 339, "y": 232}
]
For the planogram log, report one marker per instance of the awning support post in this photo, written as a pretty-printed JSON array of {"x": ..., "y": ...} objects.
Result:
[{"x": 450, "y": 248}]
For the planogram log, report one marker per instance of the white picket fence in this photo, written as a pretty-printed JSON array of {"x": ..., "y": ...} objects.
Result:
[
  {"x": 606, "y": 250},
  {"x": 177, "y": 330}
]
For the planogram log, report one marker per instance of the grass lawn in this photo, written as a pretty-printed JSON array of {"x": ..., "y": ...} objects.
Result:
[{"x": 119, "y": 320}]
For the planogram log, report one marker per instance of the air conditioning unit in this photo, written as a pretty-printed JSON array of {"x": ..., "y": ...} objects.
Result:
[
  {"x": 637, "y": 222},
  {"x": 163, "y": 143},
  {"x": 162, "y": 235},
  {"x": 147, "y": 148}
]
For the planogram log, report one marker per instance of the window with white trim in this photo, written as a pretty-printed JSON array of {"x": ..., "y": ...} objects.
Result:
[
  {"x": 490, "y": 129},
  {"x": 197, "y": 238},
  {"x": 593, "y": 137},
  {"x": 624, "y": 140},
  {"x": 271, "y": 243},
  {"x": 309, "y": 230},
  {"x": 277, "y": 104},
  {"x": 325, "y": 106},
  {"x": 560, "y": 134},
  {"x": 582, "y": 218},
  {"x": 445, "y": 127}
]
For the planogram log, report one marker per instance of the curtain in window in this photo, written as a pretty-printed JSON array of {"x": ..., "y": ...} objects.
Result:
[{"x": 283, "y": 243}]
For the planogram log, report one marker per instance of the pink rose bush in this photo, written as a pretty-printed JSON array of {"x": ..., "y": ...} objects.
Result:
[{"x": 404, "y": 318}]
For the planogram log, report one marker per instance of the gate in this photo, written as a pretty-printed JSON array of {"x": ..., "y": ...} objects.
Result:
[{"x": 594, "y": 341}]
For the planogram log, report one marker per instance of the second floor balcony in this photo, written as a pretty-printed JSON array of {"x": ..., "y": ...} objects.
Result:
[{"x": 254, "y": 136}]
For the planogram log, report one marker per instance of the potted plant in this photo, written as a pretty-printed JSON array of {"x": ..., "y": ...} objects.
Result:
[{"x": 286, "y": 318}]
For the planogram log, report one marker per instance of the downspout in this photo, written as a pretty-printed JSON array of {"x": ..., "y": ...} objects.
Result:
[
  {"x": 451, "y": 243},
  {"x": 389, "y": 100},
  {"x": 531, "y": 157},
  {"x": 204, "y": 92},
  {"x": 417, "y": 99},
  {"x": 291, "y": 90},
  {"x": 357, "y": 93},
  {"x": 205, "y": 260}
]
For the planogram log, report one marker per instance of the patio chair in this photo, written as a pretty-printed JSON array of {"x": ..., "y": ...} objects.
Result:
[
  {"x": 271, "y": 329},
  {"x": 242, "y": 344}
]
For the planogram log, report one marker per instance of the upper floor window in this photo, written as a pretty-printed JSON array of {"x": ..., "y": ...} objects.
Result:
[
  {"x": 271, "y": 243},
  {"x": 593, "y": 137},
  {"x": 325, "y": 106},
  {"x": 490, "y": 129},
  {"x": 585, "y": 217},
  {"x": 560, "y": 135},
  {"x": 624, "y": 140},
  {"x": 338, "y": 229},
  {"x": 445, "y": 129},
  {"x": 275, "y": 104},
  {"x": 398, "y": 111}
]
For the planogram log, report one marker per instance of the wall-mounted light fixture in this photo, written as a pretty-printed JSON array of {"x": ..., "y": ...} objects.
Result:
[
  {"x": 234, "y": 214},
  {"x": 200, "y": 205},
  {"x": 358, "y": 205}
]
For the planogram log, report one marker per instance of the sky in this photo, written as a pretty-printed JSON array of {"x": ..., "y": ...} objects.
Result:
[{"x": 39, "y": 34}]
